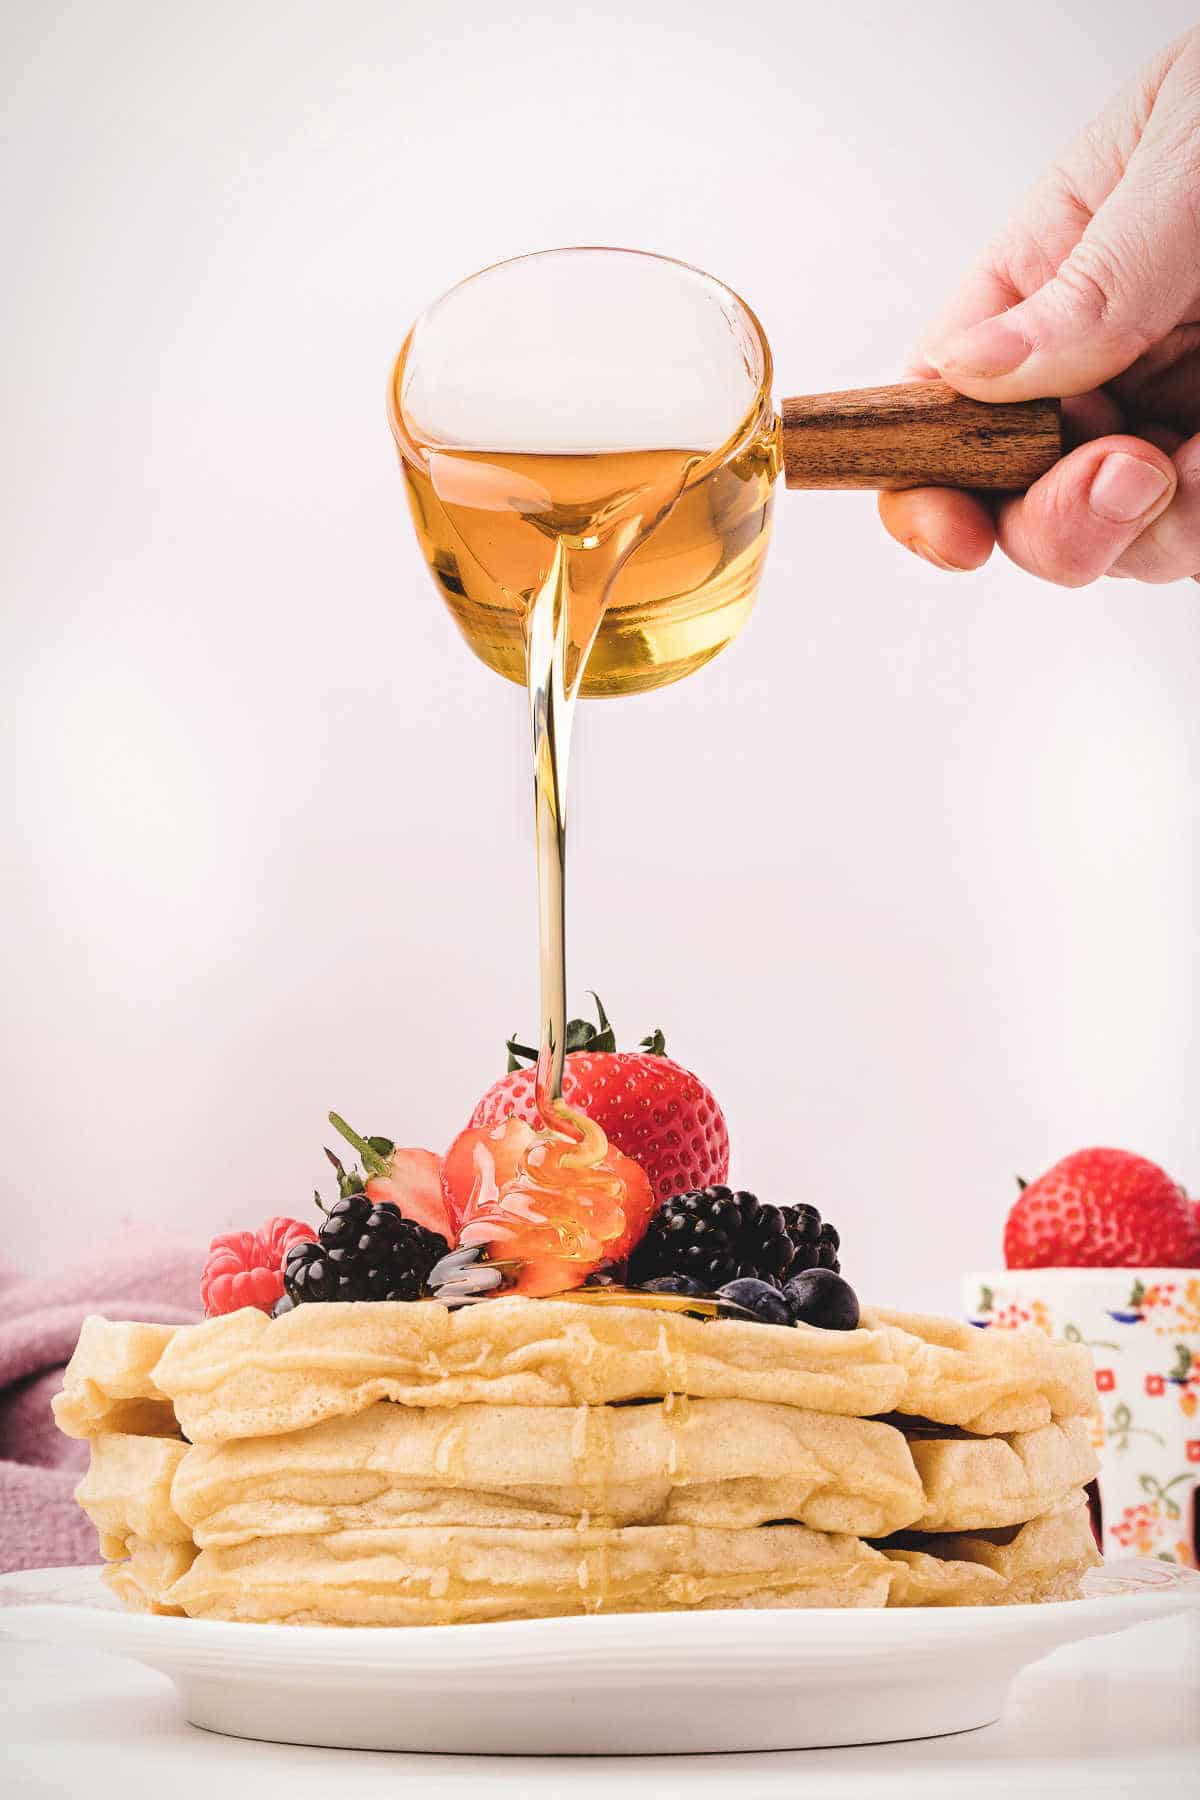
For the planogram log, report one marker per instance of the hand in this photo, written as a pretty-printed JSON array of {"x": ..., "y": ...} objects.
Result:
[{"x": 1091, "y": 291}]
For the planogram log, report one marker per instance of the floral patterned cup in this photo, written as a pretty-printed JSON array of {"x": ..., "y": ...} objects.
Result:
[{"x": 1143, "y": 1329}]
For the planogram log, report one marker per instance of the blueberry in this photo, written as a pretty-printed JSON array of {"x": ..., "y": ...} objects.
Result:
[
  {"x": 819, "y": 1297},
  {"x": 671, "y": 1284},
  {"x": 764, "y": 1302}
]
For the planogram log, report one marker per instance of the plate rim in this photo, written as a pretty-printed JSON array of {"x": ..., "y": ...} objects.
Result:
[{"x": 836, "y": 1631}]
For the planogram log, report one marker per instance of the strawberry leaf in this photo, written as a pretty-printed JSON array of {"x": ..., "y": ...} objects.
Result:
[
  {"x": 606, "y": 1037},
  {"x": 582, "y": 1034},
  {"x": 349, "y": 1181},
  {"x": 519, "y": 1055}
]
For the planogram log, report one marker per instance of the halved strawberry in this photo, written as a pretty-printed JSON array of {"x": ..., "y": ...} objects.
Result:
[
  {"x": 480, "y": 1162},
  {"x": 410, "y": 1179},
  {"x": 563, "y": 1212}
]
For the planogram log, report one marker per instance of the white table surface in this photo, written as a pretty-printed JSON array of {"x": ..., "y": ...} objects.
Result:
[{"x": 1117, "y": 1715}]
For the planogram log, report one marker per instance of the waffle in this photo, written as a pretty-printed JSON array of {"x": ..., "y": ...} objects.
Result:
[
  {"x": 147, "y": 1572},
  {"x": 244, "y": 1375},
  {"x": 985, "y": 1381},
  {"x": 422, "y": 1575},
  {"x": 972, "y": 1482},
  {"x": 400, "y": 1463},
  {"x": 108, "y": 1385},
  {"x": 1042, "y": 1560},
  {"x": 247, "y": 1376},
  {"x": 718, "y": 1463},
  {"x": 126, "y": 1492}
]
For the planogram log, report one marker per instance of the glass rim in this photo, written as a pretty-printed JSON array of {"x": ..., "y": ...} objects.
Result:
[{"x": 747, "y": 426}]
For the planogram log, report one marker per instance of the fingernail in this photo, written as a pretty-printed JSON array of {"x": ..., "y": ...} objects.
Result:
[
  {"x": 993, "y": 347},
  {"x": 931, "y": 556},
  {"x": 1124, "y": 487}
]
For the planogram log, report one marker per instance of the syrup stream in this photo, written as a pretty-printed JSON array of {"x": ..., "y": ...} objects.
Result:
[{"x": 561, "y": 624}]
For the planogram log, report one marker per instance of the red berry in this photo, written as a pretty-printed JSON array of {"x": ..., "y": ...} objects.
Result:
[
  {"x": 519, "y": 1198},
  {"x": 649, "y": 1107},
  {"x": 480, "y": 1162},
  {"x": 413, "y": 1183},
  {"x": 245, "y": 1268},
  {"x": 1101, "y": 1209},
  {"x": 409, "y": 1180}
]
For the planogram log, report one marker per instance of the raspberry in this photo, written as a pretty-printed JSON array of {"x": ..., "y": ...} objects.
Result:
[{"x": 245, "y": 1268}]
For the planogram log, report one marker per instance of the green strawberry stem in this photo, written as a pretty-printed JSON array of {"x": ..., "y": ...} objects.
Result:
[{"x": 372, "y": 1161}]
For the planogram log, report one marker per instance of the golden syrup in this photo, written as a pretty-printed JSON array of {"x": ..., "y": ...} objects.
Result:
[
  {"x": 579, "y": 1437},
  {"x": 593, "y": 1456},
  {"x": 677, "y": 1412},
  {"x": 450, "y": 1461},
  {"x": 698, "y": 1306},
  {"x": 570, "y": 1203},
  {"x": 679, "y": 597},
  {"x": 675, "y": 1364},
  {"x": 592, "y": 1574}
]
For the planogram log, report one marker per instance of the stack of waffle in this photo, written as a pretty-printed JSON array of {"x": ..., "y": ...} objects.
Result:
[{"x": 402, "y": 1464}]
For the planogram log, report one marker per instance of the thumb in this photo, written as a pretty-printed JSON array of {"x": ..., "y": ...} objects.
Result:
[{"x": 1127, "y": 282}]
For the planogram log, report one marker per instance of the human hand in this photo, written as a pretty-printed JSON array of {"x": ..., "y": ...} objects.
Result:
[{"x": 1091, "y": 291}]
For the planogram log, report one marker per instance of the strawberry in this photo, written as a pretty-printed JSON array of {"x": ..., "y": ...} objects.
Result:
[
  {"x": 649, "y": 1107},
  {"x": 408, "y": 1179},
  {"x": 550, "y": 1206},
  {"x": 480, "y": 1162},
  {"x": 245, "y": 1268},
  {"x": 1101, "y": 1209}
]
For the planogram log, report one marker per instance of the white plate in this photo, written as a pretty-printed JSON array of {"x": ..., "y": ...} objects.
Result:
[{"x": 610, "y": 1685}]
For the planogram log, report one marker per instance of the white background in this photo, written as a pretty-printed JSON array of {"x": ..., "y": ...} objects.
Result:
[{"x": 910, "y": 875}]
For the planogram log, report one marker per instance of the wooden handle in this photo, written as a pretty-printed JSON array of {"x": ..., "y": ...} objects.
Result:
[{"x": 920, "y": 434}]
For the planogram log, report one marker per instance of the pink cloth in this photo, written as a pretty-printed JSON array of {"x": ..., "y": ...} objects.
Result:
[{"x": 143, "y": 1274}]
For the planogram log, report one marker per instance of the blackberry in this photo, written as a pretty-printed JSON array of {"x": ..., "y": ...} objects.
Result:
[
  {"x": 363, "y": 1252},
  {"x": 712, "y": 1236},
  {"x": 816, "y": 1244}
]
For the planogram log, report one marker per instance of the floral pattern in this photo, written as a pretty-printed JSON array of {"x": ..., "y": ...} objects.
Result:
[{"x": 1143, "y": 1329}]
